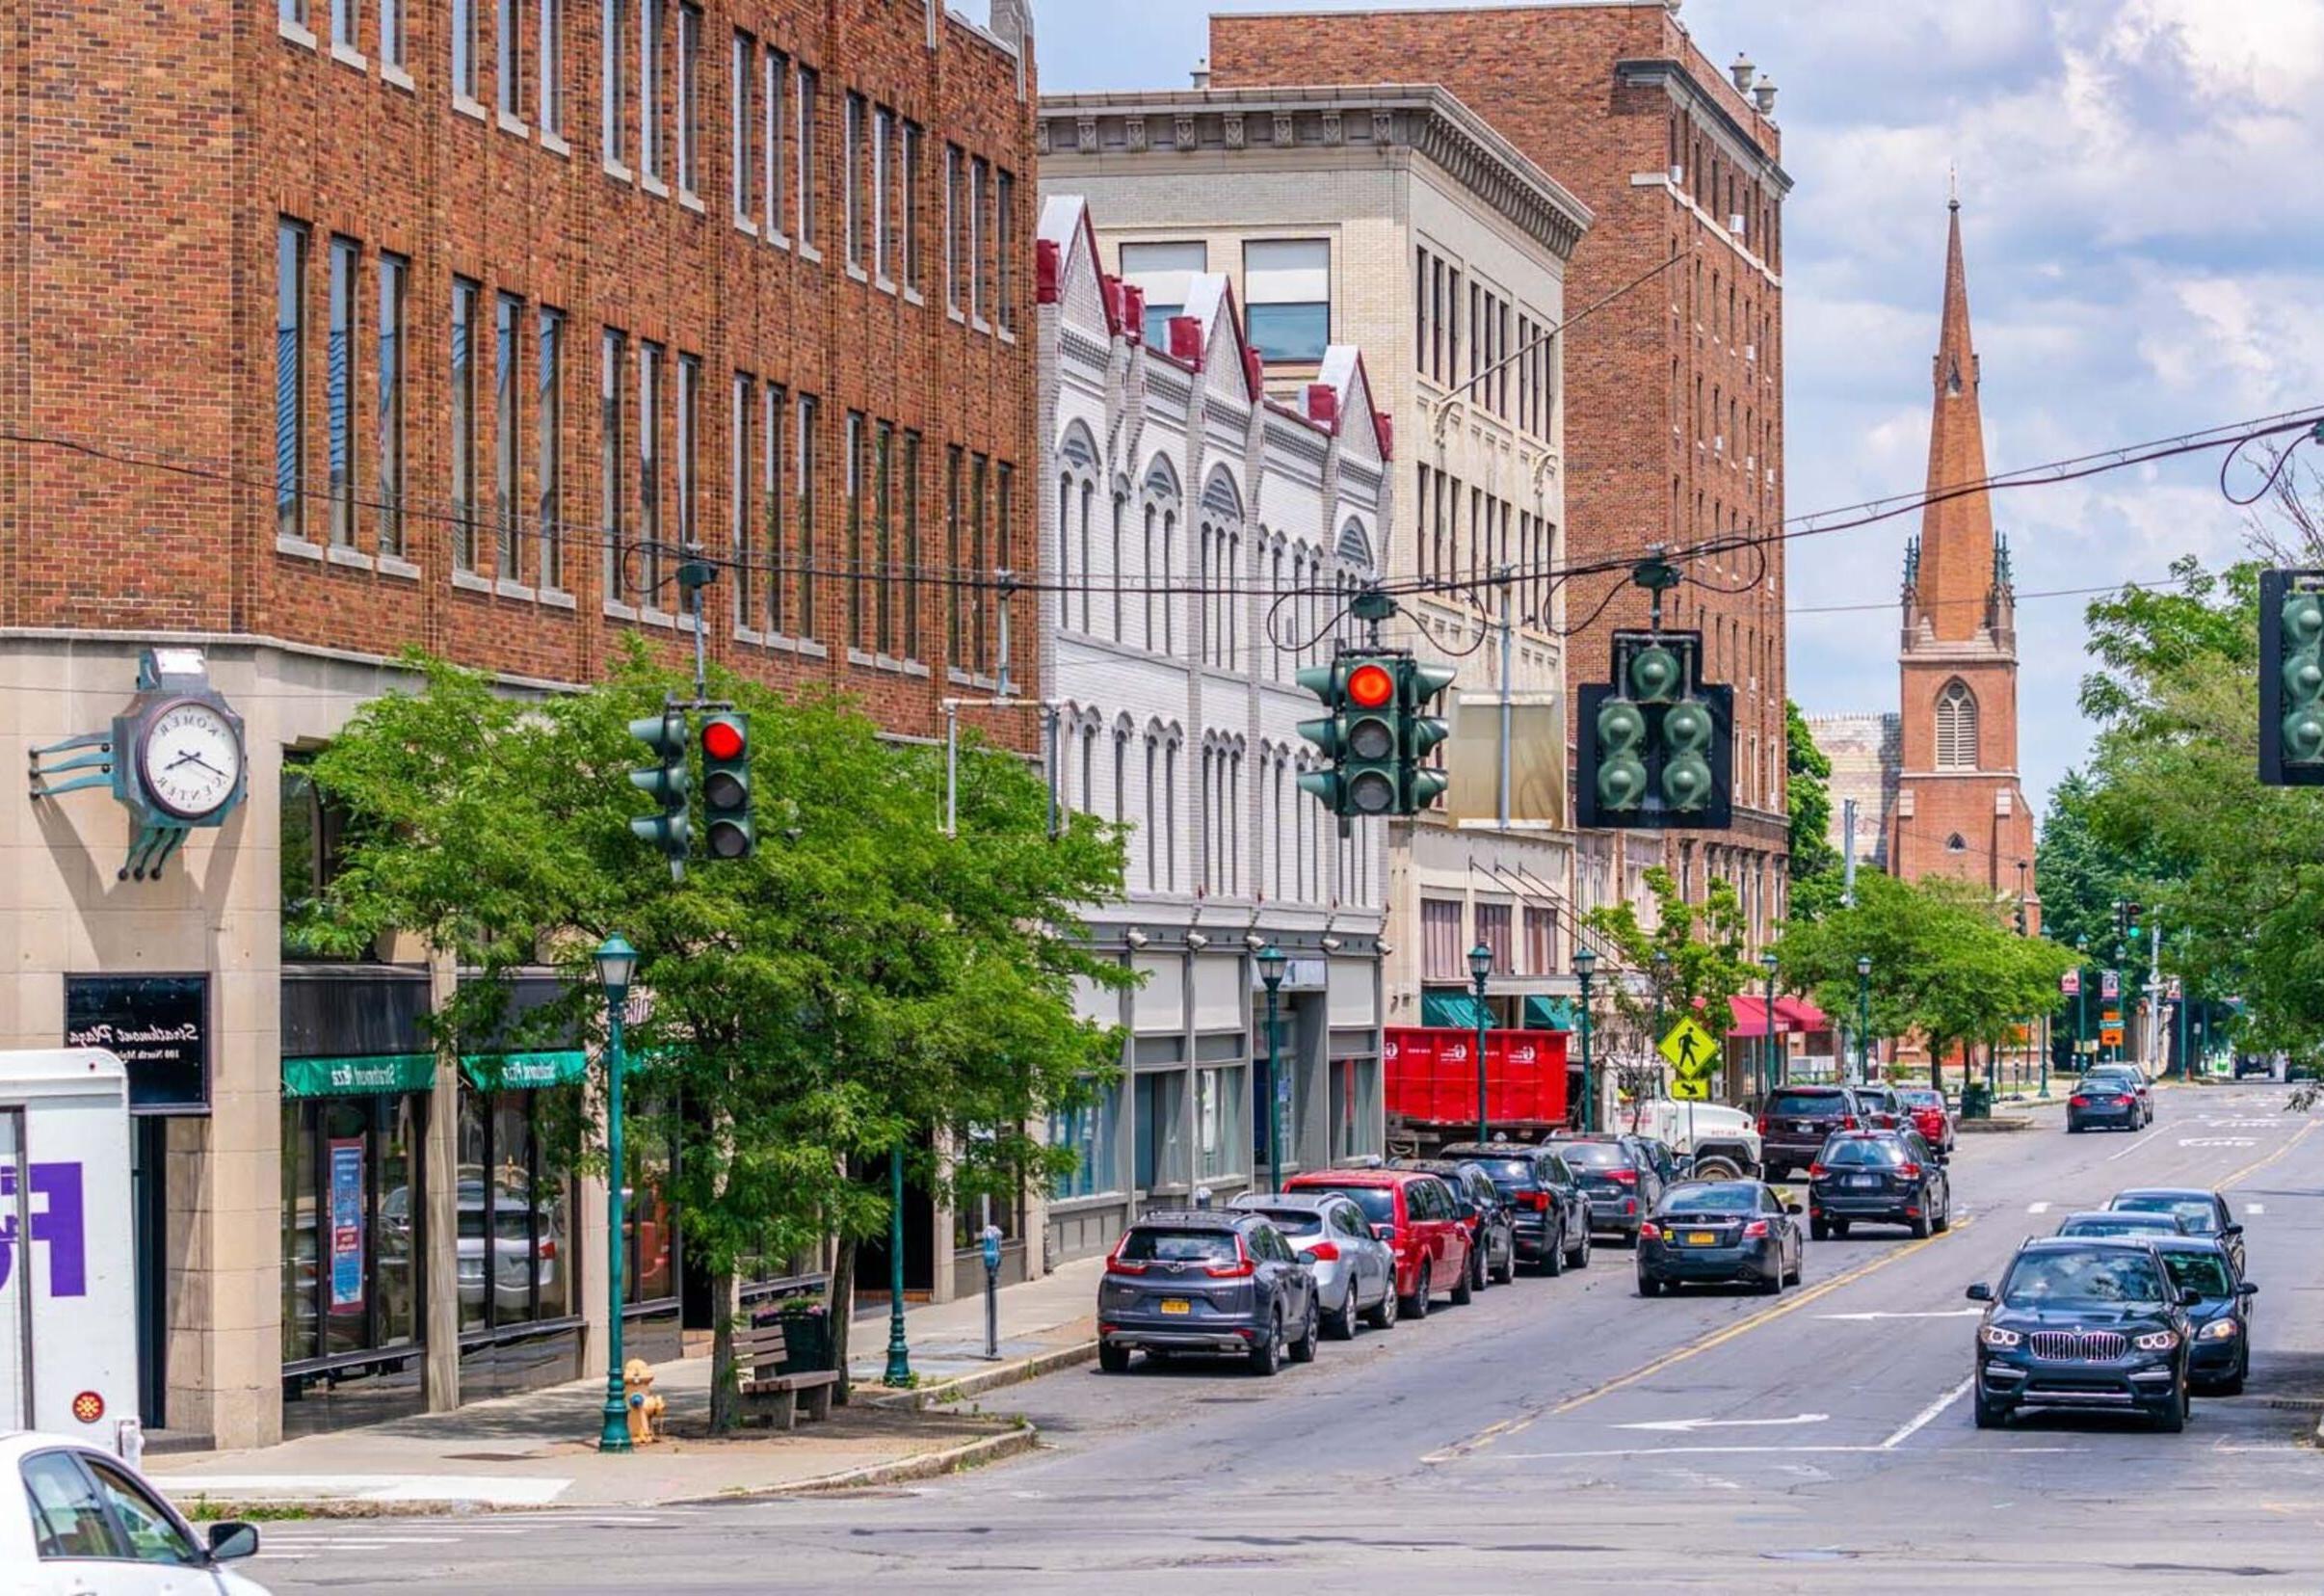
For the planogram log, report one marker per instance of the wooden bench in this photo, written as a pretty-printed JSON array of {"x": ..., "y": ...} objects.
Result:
[{"x": 769, "y": 1396}]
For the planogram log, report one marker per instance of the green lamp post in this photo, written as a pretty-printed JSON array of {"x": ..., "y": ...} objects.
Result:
[
  {"x": 1773, "y": 1074},
  {"x": 1863, "y": 1018},
  {"x": 617, "y": 962},
  {"x": 1585, "y": 966},
  {"x": 1271, "y": 962},
  {"x": 2081, "y": 1001},
  {"x": 1480, "y": 966}
]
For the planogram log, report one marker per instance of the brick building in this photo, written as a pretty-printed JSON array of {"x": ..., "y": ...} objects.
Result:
[
  {"x": 357, "y": 326},
  {"x": 1674, "y": 398}
]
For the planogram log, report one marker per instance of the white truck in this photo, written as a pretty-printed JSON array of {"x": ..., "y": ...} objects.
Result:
[
  {"x": 1724, "y": 1140},
  {"x": 68, "y": 1280}
]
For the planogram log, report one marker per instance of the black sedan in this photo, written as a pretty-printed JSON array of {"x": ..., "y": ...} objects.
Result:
[
  {"x": 2203, "y": 1212},
  {"x": 2089, "y": 1325},
  {"x": 2220, "y": 1357},
  {"x": 2108, "y": 1096},
  {"x": 1544, "y": 1197},
  {"x": 1881, "y": 1177},
  {"x": 1714, "y": 1231}
]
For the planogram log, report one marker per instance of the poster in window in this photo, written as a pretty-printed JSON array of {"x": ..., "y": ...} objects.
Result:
[{"x": 347, "y": 1225}]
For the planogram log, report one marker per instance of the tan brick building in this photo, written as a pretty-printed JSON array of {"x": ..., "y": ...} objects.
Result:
[
  {"x": 339, "y": 326},
  {"x": 1674, "y": 398}
]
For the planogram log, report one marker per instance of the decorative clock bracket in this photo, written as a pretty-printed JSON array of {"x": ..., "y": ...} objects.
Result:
[{"x": 176, "y": 720}]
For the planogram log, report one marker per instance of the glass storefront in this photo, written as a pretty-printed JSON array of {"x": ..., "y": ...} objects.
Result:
[{"x": 520, "y": 1313}]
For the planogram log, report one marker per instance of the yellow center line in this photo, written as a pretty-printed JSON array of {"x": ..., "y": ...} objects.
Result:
[{"x": 2258, "y": 1164}]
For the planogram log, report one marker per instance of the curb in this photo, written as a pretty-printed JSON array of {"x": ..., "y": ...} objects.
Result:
[
  {"x": 920, "y": 1398},
  {"x": 969, "y": 1454},
  {"x": 1991, "y": 1125}
]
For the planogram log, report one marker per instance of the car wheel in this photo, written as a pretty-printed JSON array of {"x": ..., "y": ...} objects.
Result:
[
  {"x": 1799, "y": 1270},
  {"x": 1384, "y": 1316},
  {"x": 1114, "y": 1360},
  {"x": 1465, "y": 1291},
  {"x": 2233, "y": 1385},
  {"x": 1268, "y": 1355},
  {"x": 1945, "y": 1215},
  {"x": 1839, "y": 1229},
  {"x": 1553, "y": 1257},
  {"x": 1716, "y": 1168},
  {"x": 1480, "y": 1264},
  {"x": 1302, "y": 1350},
  {"x": 1773, "y": 1285},
  {"x": 1416, "y": 1305},
  {"x": 2074, "y": 1128},
  {"x": 1344, "y": 1321},
  {"x": 1508, "y": 1273},
  {"x": 2173, "y": 1419},
  {"x": 1818, "y": 1231},
  {"x": 1581, "y": 1255},
  {"x": 1921, "y": 1227},
  {"x": 1649, "y": 1287},
  {"x": 1990, "y": 1415}
]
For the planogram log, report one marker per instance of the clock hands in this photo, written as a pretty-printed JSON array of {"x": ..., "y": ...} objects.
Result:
[{"x": 192, "y": 756}]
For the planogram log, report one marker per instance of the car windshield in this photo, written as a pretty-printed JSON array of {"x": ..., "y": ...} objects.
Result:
[
  {"x": 1922, "y": 1098},
  {"x": 1864, "y": 1152},
  {"x": 1379, "y": 1203},
  {"x": 1509, "y": 1174},
  {"x": 1293, "y": 1221},
  {"x": 2096, "y": 1275},
  {"x": 2205, "y": 1272},
  {"x": 2196, "y": 1212},
  {"x": 1724, "y": 1197},
  {"x": 2112, "y": 1080},
  {"x": 1156, "y": 1245},
  {"x": 1801, "y": 1104},
  {"x": 2120, "y": 1224},
  {"x": 1584, "y": 1155}
]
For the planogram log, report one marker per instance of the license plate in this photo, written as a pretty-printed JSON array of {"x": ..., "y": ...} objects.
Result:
[
  {"x": 1700, "y": 1239},
  {"x": 1804, "y": 1124},
  {"x": 1176, "y": 1305},
  {"x": 1864, "y": 1183}
]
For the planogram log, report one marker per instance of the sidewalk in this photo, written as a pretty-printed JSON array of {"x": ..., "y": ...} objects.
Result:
[{"x": 540, "y": 1449}]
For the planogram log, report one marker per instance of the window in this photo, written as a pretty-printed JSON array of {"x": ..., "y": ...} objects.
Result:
[
  {"x": 394, "y": 273},
  {"x": 690, "y": 99},
  {"x": 68, "y": 1518},
  {"x": 392, "y": 35},
  {"x": 907, "y": 164},
  {"x": 883, "y": 442},
  {"x": 154, "y": 1534},
  {"x": 809, "y": 409},
  {"x": 548, "y": 417},
  {"x": 552, "y": 68},
  {"x": 979, "y": 468},
  {"x": 851, "y": 191},
  {"x": 513, "y": 1199},
  {"x": 1422, "y": 323},
  {"x": 343, "y": 23},
  {"x": 613, "y": 27},
  {"x": 508, "y": 314},
  {"x": 508, "y": 38},
  {"x": 292, "y": 12},
  {"x": 1956, "y": 728},
  {"x": 1004, "y": 248},
  {"x": 956, "y": 225},
  {"x": 852, "y": 484},
  {"x": 650, "y": 469},
  {"x": 882, "y": 193},
  {"x": 980, "y": 228},
  {"x": 777, "y": 129},
  {"x": 613, "y": 500},
  {"x": 954, "y": 638},
  {"x": 746, "y": 121},
  {"x": 1288, "y": 294},
  {"x": 464, "y": 49},
  {"x": 911, "y": 546},
  {"x": 290, "y": 380},
  {"x": 742, "y": 403},
  {"x": 803, "y": 157},
  {"x": 1493, "y": 931},
  {"x": 1442, "y": 958},
  {"x": 773, "y": 517},
  {"x": 1162, "y": 273},
  {"x": 1087, "y": 1129},
  {"x": 1004, "y": 484},
  {"x": 649, "y": 88},
  {"x": 338, "y": 391},
  {"x": 464, "y": 421},
  {"x": 688, "y": 451}
]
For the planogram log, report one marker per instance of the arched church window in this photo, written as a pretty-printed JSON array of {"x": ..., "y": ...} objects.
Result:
[
  {"x": 1955, "y": 843},
  {"x": 1956, "y": 728}
]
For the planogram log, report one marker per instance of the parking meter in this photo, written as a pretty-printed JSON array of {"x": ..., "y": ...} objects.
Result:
[{"x": 992, "y": 1239}]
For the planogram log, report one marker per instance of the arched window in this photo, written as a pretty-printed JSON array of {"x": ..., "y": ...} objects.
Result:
[
  {"x": 1956, "y": 728},
  {"x": 1955, "y": 843}
]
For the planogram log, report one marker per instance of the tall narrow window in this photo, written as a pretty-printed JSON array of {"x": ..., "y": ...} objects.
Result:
[
  {"x": 909, "y": 547},
  {"x": 908, "y": 175},
  {"x": 649, "y": 471},
  {"x": 851, "y": 184},
  {"x": 509, "y": 88},
  {"x": 775, "y": 515},
  {"x": 1004, "y": 482},
  {"x": 508, "y": 315},
  {"x": 465, "y": 295},
  {"x": 464, "y": 49},
  {"x": 343, "y": 23},
  {"x": 690, "y": 99},
  {"x": 803, "y": 155},
  {"x": 883, "y": 508},
  {"x": 1004, "y": 248},
  {"x": 956, "y": 228},
  {"x": 743, "y": 97},
  {"x": 548, "y": 419},
  {"x": 851, "y": 485},
  {"x": 338, "y": 391},
  {"x": 613, "y": 79},
  {"x": 954, "y": 575},
  {"x": 978, "y": 564},
  {"x": 649, "y": 88},
  {"x": 552, "y": 68},
  {"x": 290, "y": 379},
  {"x": 393, "y": 273},
  {"x": 979, "y": 230},
  {"x": 743, "y": 533},
  {"x": 1957, "y": 727},
  {"x": 392, "y": 35},
  {"x": 1287, "y": 291},
  {"x": 882, "y": 193},
  {"x": 689, "y": 449},
  {"x": 776, "y": 131},
  {"x": 613, "y": 455},
  {"x": 809, "y": 408}
]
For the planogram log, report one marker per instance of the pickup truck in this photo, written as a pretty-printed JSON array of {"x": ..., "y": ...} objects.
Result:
[{"x": 1724, "y": 1140}]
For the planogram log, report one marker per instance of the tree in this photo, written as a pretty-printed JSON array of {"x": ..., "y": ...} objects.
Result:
[
  {"x": 1947, "y": 964},
  {"x": 862, "y": 982},
  {"x": 1701, "y": 964},
  {"x": 1818, "y": 874}
]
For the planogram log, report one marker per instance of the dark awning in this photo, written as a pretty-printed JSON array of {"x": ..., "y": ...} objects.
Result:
[{"x": 1458, "y": 1009}]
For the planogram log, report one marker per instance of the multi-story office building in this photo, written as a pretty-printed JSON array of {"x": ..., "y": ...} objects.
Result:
[{"x": 348, "y": 326}]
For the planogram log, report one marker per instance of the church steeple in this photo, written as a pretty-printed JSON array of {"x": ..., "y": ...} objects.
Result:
[{"x": 1956, "y": 576}]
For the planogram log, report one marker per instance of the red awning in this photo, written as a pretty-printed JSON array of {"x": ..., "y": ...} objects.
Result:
[
  {"x": 1751, "y": 1017},
  {"x": 1801, "y": 1015}
]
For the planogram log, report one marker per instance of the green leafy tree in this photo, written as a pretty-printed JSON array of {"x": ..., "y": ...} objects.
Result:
[
  {"x": 1817, "y": 873},
  {"x": 1700, "y": 963},
  {"x": 862, "y": 983}
]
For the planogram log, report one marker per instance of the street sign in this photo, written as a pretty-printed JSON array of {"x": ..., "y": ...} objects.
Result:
[
  {"x": 2112, "y": 1036},
  {"x": 1692, "y": 1050},
  {"x": 2070, "y": 983},
  {"x": 2175, "y": 993},
  {"x": 1691, "y": 1089},
  {"x": 2110, "y": 985}
]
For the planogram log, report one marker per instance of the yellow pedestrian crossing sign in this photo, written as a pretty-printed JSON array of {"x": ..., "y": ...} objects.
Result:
[
  {"x": 1691, "y": 1048},
  {"x": 1697, "y": 1090}
]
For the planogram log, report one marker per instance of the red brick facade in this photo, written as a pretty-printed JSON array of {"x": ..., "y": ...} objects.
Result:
[
  {"x": 1675, "y": 399},
  {"x": 152, "y": 150}
]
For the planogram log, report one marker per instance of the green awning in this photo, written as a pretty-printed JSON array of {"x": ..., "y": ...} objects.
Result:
[
  {"x": 524, "y": 1072},
  {"x": 1543, "y": 1012},
  {"x": 374, "y": 1075},
  {"x": 1451, "y": 1008}
]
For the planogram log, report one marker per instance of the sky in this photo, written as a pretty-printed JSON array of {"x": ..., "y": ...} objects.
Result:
[{"x": 2142, "y": 187}]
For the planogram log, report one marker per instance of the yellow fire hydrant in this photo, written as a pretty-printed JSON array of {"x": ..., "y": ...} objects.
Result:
[{"x": 645, "y": 1404}]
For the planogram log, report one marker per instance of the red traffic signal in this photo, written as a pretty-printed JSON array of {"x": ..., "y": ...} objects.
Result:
[
  {"x": 1370, "y": 685},
  {"x": 721, "y": 740}
]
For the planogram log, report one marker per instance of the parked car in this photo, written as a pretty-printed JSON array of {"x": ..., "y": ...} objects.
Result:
[
  {"x": 2219, "y": 1356},
  {"x": 1932, "y": 1116},
  {"x": 1720, "y": 1230},
  {"x": 1207, "y": 1280},
  {"x": 1880, "y": 1108},
  {"x": 2084, "y": 1323},
  {"x": 1355, "y": 1271},
  {"x": 1545, "y": 1198},
  {"x": 1491, "y": 1221},
  {"x": 2136, "y": 1226},
  {"x": 84, "y": 1522},
  {"x": 2203, "y": 1211},
  {"x": 1618, "y": 1175},
  {"x": 1416, "y": 1215},
  {"x": 1881, "y": 1177},
  {"x": 2263, "y": 1065},
  {"x": 1796, "y": 1121}
]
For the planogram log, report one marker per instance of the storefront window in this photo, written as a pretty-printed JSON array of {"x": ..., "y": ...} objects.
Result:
[
  {"x": 350, "y": 1275},
  {"x": 1089, "y": 1131},
  {"x": 1220, "y": 1134},
  {"x": 650, "y": 1262},
  {"x": 514, "y": 1204},
  {"x": 1155, "y": 1109},
  {"x": 1355, "y": 1107},
  {"x": 312, "y": 841}
]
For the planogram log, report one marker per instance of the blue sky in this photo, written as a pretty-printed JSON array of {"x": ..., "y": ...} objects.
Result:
[{"x": 2142, "y": 206}]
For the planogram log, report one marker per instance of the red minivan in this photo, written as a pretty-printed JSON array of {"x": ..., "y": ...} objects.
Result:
[{"x": 1414, "y": 1214}]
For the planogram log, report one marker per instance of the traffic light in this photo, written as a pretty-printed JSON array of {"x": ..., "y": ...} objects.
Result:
[
  {"x": 667, "y": 783},
  {"x": 1418, "y": 686},
  {"x": 1370, "y": 737},
  {"x": 728, "y": 829},
  {"x": 2292, "y": 678},
  {"x": 1658, "y": 743}
]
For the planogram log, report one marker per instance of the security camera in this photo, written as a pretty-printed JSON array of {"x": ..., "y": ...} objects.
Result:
[
  {"x": 1196, "y": 941},
  {"x": 1135, "y": 936}
]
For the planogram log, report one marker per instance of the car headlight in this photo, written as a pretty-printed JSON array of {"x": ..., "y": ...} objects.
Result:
[
  {"x": 2157, "y": 1341},
  {"x": 1993, "y": 1335},
  {"x": 2220, "y": 1329}
]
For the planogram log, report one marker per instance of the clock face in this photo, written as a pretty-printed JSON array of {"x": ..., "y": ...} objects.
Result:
[{"x": 191, "y": 760}]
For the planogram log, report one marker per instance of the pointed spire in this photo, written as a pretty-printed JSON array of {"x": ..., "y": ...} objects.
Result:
[{"x": 1955, "y": 568}]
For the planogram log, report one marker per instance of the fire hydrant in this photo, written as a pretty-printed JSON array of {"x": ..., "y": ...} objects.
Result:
[{"x": 645, "y": 1404}]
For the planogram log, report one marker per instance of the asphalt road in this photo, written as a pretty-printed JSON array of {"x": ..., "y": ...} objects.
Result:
[{"x": 1566, "y": 1432}]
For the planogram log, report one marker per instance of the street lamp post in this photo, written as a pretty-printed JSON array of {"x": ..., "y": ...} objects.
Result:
[
  {"x": 617, "y": 962},
  {"x": 1863, "y": 1018},
  {"x": 899, "y": 1349},
  {"x": 1585, "y": 964},
  {"x": 1271, "y": 974},
  {"x": 2081, "y": 1000},
  {"x": 1480, "y": 966},
  {"x": 1774, "y": 1071}
]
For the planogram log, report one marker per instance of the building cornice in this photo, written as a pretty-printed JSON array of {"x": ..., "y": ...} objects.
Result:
[
  {"x": 1675, "y": 76},
  {"x": 1423, "y": 118}
]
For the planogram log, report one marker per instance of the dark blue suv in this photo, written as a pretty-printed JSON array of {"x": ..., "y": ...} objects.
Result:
[{"x": 1206, "y": 1280}]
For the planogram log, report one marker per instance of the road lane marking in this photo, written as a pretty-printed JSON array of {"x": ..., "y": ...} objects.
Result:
[
  {"x": 2219, "y": 1141},
  {"x": 1920, "y": 1421},
  {"x": 2255, "y": 1208},
  {"x": 2037, "y": 1207},
  {"x": 2257, "y": 1165},
  {"x": 1687, "y": 1427},
  {"x": 1883, "y": 1314},
  {"x": 2133, "y": 1146}
]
